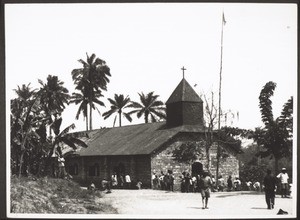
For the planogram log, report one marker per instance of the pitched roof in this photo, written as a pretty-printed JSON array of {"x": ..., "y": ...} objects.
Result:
[
  {"x": 184, "y": 93},
  {"x": 138, "y": 139}
]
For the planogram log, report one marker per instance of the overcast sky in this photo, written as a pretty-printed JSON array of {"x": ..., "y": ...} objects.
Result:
[{"x": 146, "y": 45}]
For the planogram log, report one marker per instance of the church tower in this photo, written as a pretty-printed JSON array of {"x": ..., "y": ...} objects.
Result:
[{"x": 184, "y": 106}]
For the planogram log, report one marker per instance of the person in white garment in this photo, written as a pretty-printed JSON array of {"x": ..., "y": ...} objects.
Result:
[{"x": 284, "y": 182}]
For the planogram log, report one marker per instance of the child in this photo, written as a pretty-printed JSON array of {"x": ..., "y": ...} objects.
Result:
[
  {"x": 205, "y": 185},
  {"x": 139, "y": 184}
]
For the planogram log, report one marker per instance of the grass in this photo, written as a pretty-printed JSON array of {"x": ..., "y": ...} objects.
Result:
[{"x": 49, "y": 195}]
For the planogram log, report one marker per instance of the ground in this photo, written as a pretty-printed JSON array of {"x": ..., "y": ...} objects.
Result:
[{"x": 147, "y": 203}]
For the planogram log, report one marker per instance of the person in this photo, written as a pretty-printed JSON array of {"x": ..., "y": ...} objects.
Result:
[
  {"x": 229, "y": 184},
  {"x": 256, "y": 186},
  {"x": 91, "y": 187},
  {"x": 283, "y": 177},
  {"x": 213, "y": 179},
  {"x": 187, "y": 183},
  {"x": 139, "y": 184},
  {"x": 249, "y": 185},
  {"x": 61, "y": 167},
  {"x": 156, "y": 182},
  {"x": 161, "y": 180},
  {"x": 237, "y": 184},
  {"x": 194, "y": 183},
  {"x": 153, "y": 180},
  {"x": 106, "y": 185},
  {"x": 270, "y": 188},
  {"x": 114, "y": 180},
  {"x": 166, "y": 180},
  {"x": 182, "y": 184},
  {"x": 127, "y": 181},
  {"x": 205, "y": 185},
  {"x": 171, "y": 180},
  {"x": 221, "y": 183},
  {"x": 121, "y": 180}
]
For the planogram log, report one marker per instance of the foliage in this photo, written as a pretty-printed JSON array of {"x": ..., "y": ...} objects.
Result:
[
  {"x": 253, "y": 167},
  {"x": 64, "y": 137},
  {"x": 149, "y": 106},
  {"x": 27, "y": 122},
  {"x": 117, "y": 105},
  {"x": 53, "y": 95},
  {"x": 31, "y": 113},
  {"x": 276, "y": 136},
  {"x": 91, "y": 80},
  {"x": 188, "y": 151}
]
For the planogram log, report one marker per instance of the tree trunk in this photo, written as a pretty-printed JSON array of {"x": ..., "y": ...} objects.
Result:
[
  {"x": 218, "y": 161},
  {"x": 120, "y": 114},
  {"x": 91, "y": 116},
  {"x": 208, "y": 158},
  {"x": 276, "y": 160},
  {"x": 86, "y": 123},
  {"x": 21, "y": 163}
]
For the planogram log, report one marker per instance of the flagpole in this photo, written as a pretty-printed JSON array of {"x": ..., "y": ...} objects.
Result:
[{"x": 220, "y": 86}]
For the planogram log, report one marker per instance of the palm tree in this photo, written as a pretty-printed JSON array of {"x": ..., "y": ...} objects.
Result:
[
  {"x": 53, "y": 96},
  {"x": 276, "y": 136},
  {"x": 117, "y": 106},
  {"x": 149, "y": 107},
  {"x": 91, "y": 79},
  {"x": 79, "y": 98},
  {"x": 83, "y": 100}
]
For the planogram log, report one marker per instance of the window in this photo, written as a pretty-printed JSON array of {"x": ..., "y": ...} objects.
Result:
[{"x": 94, "y": 170}]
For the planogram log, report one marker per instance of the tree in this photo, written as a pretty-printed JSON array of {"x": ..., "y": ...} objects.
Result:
[
  {"x": 188, "y": 151},
  {"x": 53, "y": 97},
  {"x": 27, "y": 118},
  {"x": 211, "y": 115},
  {"x": 79, "y": 98},
  {"x": 276, "y": 136},
  {"x": 64, "y": 137},
  {"x": 117, "y": 105},
  {"x": 91, "y": 80},
  {"x": 149, "y": 107}
]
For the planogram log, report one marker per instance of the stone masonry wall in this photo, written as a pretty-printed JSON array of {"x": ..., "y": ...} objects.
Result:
[{"x": 164, "y": 161}]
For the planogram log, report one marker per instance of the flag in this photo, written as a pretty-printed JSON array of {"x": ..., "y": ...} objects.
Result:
[{"x": 224, "y": 21}]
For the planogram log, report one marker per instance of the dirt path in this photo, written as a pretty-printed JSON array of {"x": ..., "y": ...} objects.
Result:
[{"x": 147, "y": 203}]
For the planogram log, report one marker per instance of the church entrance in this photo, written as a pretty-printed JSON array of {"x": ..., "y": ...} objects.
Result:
[{"x": 197, "y": 169}]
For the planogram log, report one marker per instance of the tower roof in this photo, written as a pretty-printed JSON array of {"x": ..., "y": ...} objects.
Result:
[{"x": 184, "y": 93}]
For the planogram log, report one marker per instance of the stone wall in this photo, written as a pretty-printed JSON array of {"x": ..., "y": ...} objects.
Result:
[{"x": 163, "y": 161}]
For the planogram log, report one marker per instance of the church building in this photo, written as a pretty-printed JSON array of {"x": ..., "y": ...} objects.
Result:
[{"x": 144, "y": 149}]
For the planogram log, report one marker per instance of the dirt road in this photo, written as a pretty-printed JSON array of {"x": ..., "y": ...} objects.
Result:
[{"x": 154, "y": 203}]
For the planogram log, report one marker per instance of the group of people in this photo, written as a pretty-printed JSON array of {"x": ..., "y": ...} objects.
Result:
[
  {"x": 117, "y": 181},
  {"x": 163, "y": 181}
]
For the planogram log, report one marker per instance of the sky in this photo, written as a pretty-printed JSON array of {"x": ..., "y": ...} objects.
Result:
[{"x": 146, "y": 45}]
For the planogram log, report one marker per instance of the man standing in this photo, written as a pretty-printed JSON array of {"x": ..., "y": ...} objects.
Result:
[
  {"x": 205, "y": 185},
  {"x": 284, "y": 177},
  {"x": 270, "y": 188},
  {"x": 61, "y": 167}
]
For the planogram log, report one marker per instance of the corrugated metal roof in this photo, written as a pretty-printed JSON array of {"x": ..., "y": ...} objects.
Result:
[
  {"x": 138, "y": 139},
  {"x": 184, "y": 93}
]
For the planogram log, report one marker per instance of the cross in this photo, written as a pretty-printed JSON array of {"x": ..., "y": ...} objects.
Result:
[{"x": 183, "y": 69}]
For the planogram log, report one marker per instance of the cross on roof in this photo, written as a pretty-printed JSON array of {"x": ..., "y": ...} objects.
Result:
[{"x": 183, "y": 69}]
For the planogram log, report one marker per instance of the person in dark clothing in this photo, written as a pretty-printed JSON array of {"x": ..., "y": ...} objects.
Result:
[
  {"x": 270, "y": 188},
  {"x": 229, "y": 184}
]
